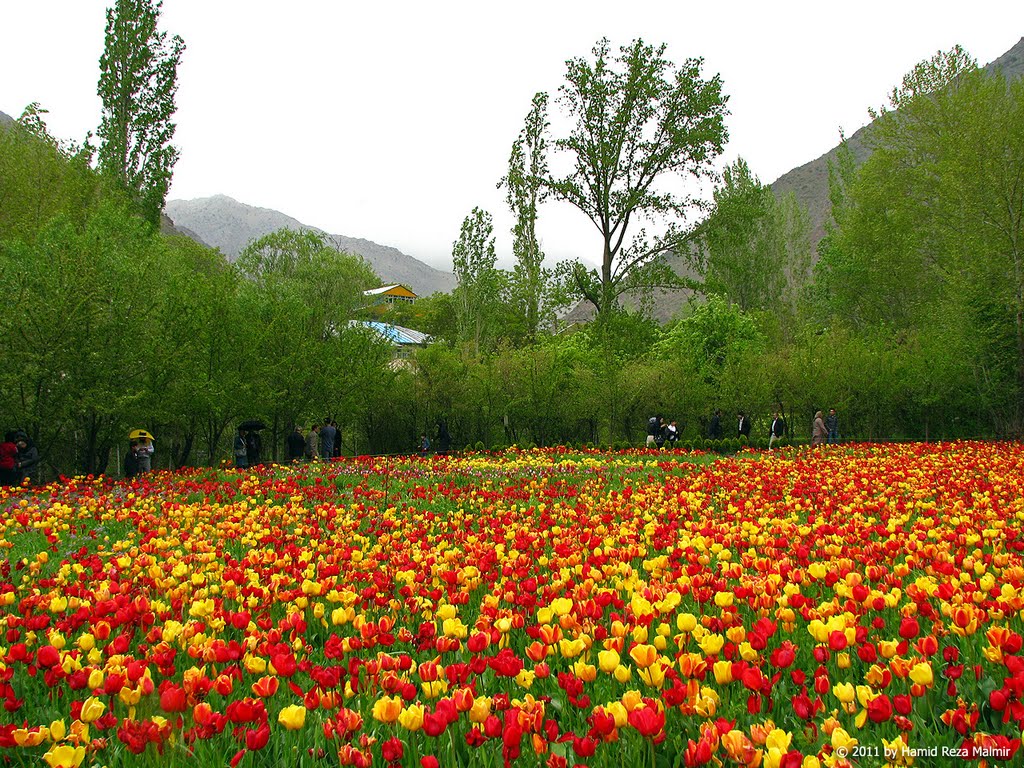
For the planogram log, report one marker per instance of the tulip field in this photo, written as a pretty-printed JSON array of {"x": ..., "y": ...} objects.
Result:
[{"x": 843, "y": 606}]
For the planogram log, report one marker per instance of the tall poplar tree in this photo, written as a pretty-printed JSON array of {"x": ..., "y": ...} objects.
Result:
[
  {"x": 527, "y": 165},
  {"x": 474, "y": 257},
  {"x": 138, "y": 83}
]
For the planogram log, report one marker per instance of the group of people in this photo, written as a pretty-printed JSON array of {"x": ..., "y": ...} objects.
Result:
[
  {"x": 247, "y": 447},
  {"x": 716, "y": 430},
  {"x": 661, "y": 432},
  {"x": 322, "y": 442},
  {"x": 19, "y": 458},
  {"x": 825, "y": 428}
]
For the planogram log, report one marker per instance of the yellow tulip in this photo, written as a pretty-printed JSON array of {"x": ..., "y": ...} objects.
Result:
[
  {"x": 65, "y": 756},
  {"x": 292, "y": 717},
  {"x": 619, "y": 712},
  {"x": 686, "y": 622},
  {"x": 844, "y": 692},
  {"x": 387, "y": 709},
  {"x": 561, "y": 606},
  {"x": 411, "y": 718},
  {"x": 477, "y": 714},
  {"x": 525, "y": 678},
  {"x": 711, "y": 644},
  {"x": 643, "y": 655},
  {"x": 922, "y": 674},
  {"x": 58, "y": 730},
  {"x": 608, "y": 661},
  {"x": 92, "y": 710}
]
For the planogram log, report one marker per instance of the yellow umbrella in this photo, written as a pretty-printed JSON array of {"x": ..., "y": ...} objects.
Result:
[{"x": 140, "y": 434}]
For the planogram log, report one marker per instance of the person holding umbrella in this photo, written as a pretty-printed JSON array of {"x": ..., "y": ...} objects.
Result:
[{"x": 143, "y": 449}]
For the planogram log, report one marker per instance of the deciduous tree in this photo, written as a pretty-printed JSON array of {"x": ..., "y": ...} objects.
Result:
[
  {"x": 479, "y": 283},
  {"x": 639, "y": 126},
  {"x": 138, "y": 83}
]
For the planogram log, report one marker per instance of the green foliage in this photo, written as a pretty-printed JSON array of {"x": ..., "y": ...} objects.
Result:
[
  {"x": 926, "y": 246},
  {"x": 479, "y": 283},
  {"x": 637, "y": 123},
  {"x": 529, "y": 293},
  {"x": 753, "y": 249},
  {"x": 41, "y": 178},
  {"x": 138, "y": 84}
]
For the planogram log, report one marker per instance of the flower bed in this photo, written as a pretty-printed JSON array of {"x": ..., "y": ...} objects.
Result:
[{"x": 853, "y": 606}]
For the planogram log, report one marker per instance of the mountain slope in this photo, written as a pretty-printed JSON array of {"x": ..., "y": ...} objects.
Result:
[
  {"x": 809, "y": 182},
  {"x": 230, "y": 225}
]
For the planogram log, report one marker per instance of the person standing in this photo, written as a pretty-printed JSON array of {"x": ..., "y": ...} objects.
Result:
[
  {"x": 337, "y": 439},
  {"x": 661, "y": 434},
  {"x": 832, "y": 425},
  {"x": 715, "y": 427},
  {"x": 818, "y": 431},
  {"x": 778, "y": 429},
  {"x": 742, "y": 425},
  {"x": 672, "y": 434},
  {"x": 253, "y": 448},
  {"x": 131, "y": 460},
  {"x": 240, "y": 449},
  {"x": 27, "y": 459},
  {"x": 444, "y": 438},
  {"x": 653, "y": 429},
  {"x": 295, "y": 444},
  {"x": 327, "y": 435},
  {"x": 8, "y": 460},
  {"x": 312, "y": 442},
  {"x": 144, "y": 451},
  {"x": 424, "y": 444}
]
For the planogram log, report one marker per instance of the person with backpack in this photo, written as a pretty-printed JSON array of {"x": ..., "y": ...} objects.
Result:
[
  {"x": 253, "y": 448},
  {"x": 312, "y": 442},
  {"x": 653, "y": 431}
]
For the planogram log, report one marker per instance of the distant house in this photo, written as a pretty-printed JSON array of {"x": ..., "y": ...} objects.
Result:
[
  {"x": 404, "y": 340},
  {"x": 390, "y": 294}
]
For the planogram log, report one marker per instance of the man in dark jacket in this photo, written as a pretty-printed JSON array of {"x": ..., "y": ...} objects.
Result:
[
  {"x": 27, "y": 459},
  {"x": 327, "y": 436},
  {"x": 715, "y": 427},
  {"x": 295, "y": 444},
  {"x": 832, "y": 425},
  {"x": 743, "y": 425}
]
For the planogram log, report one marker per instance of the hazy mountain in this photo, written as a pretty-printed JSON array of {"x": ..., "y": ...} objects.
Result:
[
  {"x": 225, "y": 223},
  {"x": 5, "y": 118}
]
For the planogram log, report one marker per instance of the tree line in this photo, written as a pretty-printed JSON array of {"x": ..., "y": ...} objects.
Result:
[{"x": 910, "y": 324}]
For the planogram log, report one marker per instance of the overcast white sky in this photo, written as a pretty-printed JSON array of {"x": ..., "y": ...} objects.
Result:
[{"x": 391, "y": 120}]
